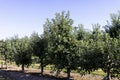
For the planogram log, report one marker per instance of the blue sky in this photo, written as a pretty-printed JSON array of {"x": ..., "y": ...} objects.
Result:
[{"x": 23, "y": 17}]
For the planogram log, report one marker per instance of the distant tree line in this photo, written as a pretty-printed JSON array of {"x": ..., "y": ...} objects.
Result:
[{"x": 68, "y": 47}]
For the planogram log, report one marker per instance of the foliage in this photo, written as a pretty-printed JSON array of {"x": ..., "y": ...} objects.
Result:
[
  {"x": 67, "y": 47},
  {"x": 62, "y": 43},
  {"x": 111, "y": 55},
  {"x": 5, "y": 48},
  {"x": 114, "y": 28},
  {"x": 91, "y": 58},
  {"x": 39, "y": 48},
  {"x": 22, "y": 52}
]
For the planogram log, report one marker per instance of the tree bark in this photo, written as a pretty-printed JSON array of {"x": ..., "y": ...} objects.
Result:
[
  {"x": 68, "y": 73},
  {"x": 89, "y": 72},
  {"x": 42, "y": 67},
  {"x": 108, "y": 69},
  {"x": 5, "y": 59},
  {"x": 108, "y": 74},
  {"x": 6, "y": 62},
  {"x": 22, "y": 67}
]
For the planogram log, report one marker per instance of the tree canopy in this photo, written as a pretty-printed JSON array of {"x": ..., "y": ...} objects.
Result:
[{"x": 68, "y": 47}]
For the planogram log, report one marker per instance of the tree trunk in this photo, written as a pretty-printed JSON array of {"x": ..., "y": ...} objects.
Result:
[
  {"x": 108, "y": 69},
  {"x": 42, "y": 67},
  {"x": 42, "y": 70},
  {"x": 5, "y": 59},
  {"x": 1, "y": 64},
  {"x": 108, "y": 74},
  {"x": 6, "y": 62},
  {"x": 89, "y": 72},
  {"x": 22, "y": 67},
  {"x": 68, "y": 73},
  {"x": 57, "y": 72}
]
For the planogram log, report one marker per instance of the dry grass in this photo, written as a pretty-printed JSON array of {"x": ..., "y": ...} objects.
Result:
[{"x": 91, "y": 77}]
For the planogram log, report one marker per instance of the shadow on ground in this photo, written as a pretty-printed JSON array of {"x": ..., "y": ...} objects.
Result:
[{"x": 19, "y": 75}]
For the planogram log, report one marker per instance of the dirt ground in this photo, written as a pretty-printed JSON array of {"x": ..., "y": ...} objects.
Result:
[{"x": 14, "y": 73}]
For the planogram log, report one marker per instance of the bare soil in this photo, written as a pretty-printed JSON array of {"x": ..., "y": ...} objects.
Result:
[{"x": 15, "y": 73}]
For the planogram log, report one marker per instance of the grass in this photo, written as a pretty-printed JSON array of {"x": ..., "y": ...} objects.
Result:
[
  {"x": 2, "y": 61},
  {"x": 48, "y": 67},
  {"x": 99, "y": 72}
]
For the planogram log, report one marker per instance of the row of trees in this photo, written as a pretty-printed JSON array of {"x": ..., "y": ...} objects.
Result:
[{"x": 68, "y": 47}]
